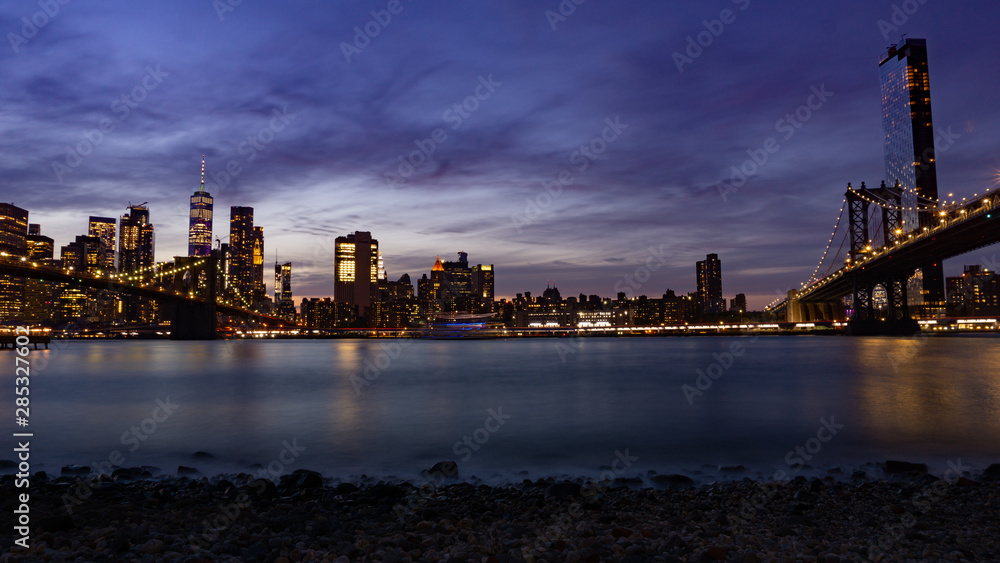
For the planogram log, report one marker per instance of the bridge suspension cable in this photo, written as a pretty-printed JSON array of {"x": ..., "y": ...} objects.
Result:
[{"x": 829, "y": 243}]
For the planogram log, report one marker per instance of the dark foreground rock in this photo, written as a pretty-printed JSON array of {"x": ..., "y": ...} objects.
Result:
[{"x": 241, "y": 518}]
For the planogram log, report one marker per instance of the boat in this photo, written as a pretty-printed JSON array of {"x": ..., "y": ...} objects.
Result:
[{"x": 461, "y": 325}]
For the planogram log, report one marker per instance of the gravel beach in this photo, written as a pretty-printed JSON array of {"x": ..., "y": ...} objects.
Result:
[{"x": 138, "y": 516}]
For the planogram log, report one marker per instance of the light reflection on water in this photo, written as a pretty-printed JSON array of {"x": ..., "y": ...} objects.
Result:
[{"x": 928, "y": 399}]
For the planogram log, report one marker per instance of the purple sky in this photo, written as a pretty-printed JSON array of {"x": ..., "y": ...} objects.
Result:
[{"x": 543, "y": 93}]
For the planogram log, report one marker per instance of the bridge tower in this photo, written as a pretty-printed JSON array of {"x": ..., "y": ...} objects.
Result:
[
  {"x": 864, "y": 319},
  {"x": 195, "y": 276}
]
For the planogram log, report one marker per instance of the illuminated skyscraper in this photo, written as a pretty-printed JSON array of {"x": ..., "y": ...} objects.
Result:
[
  {"x": 104, "y": 229},
  {"x": 200, "y": 223},
  {"x": 136, "y": 242},
  {"x": 283, "y": 303},
  {"x": 241, "y": 253},
  {"x": 908, "y": 131},
  {"x": 710, "y": 300},
  {"x": 355, "y": 267},
  {"x": 482, "y": 288},
  {"x": 136, "y": 246},
  {"x": 13, "y": 241},
  {"x": 259, "y": 287}
]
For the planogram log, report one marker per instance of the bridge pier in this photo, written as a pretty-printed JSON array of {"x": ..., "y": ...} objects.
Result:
[{"x": 193, "y": 321}]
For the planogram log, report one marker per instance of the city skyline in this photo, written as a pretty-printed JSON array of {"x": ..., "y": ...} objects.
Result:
[{"x": 325, "y": 133}]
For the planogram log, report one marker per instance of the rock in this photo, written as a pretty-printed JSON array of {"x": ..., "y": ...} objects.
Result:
[
  {"x": 447, "y": 469},
  {"x": 302, "y": 479},
  {"x": 7, "y": 465},
  {"x": 386, "y": 491},
  {"x": 190, "y": 471},
  {"x": 563, "y": 489},
  {"x": 152, "y": 547},
  {"x": 75, "y": 470},
  {"x": 621, "y": 532},
  {"x": 346, "y": 488},
  {"x": 716, "y": 553},
  {"x": 963, "y": 482},
  {"x": 202, "y": 455},
  {"x": 129, "y": 473},
  {"x": 627, "y": 481},
  {"x": 992, "y": 473},
  {"x": 893, "y": 467},
  {"x": 262, "y": 488},
  {"x": 672, "y": 481},
  {"x": 56, "y": 523},
  {"x": 732, "y": 469}
]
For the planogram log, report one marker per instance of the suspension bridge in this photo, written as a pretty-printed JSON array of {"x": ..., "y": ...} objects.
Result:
[
  {"x": 879, "y": 252},
  {"x": 188, "y": 288}
]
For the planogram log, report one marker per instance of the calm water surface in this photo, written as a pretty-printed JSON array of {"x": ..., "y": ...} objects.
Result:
[{"x": 567, "y": 405}]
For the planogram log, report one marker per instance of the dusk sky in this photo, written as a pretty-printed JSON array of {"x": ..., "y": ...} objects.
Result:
[{"x": 314, "y": 118}]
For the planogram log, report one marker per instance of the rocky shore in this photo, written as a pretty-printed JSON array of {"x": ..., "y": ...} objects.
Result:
[{"x": 897, "y": 513}]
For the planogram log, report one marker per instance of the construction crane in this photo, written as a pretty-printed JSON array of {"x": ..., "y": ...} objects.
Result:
[{"x": 130, "y": 206}]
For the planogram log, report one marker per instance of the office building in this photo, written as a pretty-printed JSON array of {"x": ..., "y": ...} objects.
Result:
[
  {"x": 356, "y": 271},
  {"x": 200, "y": 220},
  {"x": 104, "y": 229},
  {"x": 908, "y": 141},
  {"x": 709, "y": 272},
  {"x": 259, "y": 293},
  {"x": 284, "y": 305},
  {"x": 136, "y": 242},
  {"x": 240, "y": 260},
  {"x": 976, "y": 292},
  {"x": 13, "y": 241},
  {"x": 738, "y": 304}
]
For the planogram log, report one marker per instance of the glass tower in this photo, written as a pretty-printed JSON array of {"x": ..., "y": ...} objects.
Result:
[
  {"x": 200, "y": 224},
  {"x": 908, "y": 131}
]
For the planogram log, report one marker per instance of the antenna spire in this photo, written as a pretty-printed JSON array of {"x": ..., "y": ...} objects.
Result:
[{"x": 202, "y": 173}]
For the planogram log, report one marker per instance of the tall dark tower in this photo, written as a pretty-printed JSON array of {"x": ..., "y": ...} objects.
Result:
[
  {"x": 709, "y": 272},
  {"x": 200, "y": 224},
  {"x": 908, "y": 131}
]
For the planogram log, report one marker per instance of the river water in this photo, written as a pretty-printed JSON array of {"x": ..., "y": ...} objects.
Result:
[{"x": 506, "y": 409}]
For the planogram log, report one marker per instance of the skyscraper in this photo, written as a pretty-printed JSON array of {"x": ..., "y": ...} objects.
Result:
[
  {"x": 710, "y": 300},
  {"x": 136, "y": 242},
  {"x": 200, "y": 223},
  {"x": 908, "y": 141},
  {"x": 104, "y": 229},
  {"x": 356, "y": 270},
  {"x": 241, "y": 253},
  {"x": 13, "y": 241},
  {"x": 283, "y": 301},
  {"x": 259, "y": 292}
]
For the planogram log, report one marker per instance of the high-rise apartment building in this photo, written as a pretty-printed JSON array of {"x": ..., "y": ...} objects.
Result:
[
  {"x": 709, "y": 271},
  {"x": 908, "y": 141}
]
